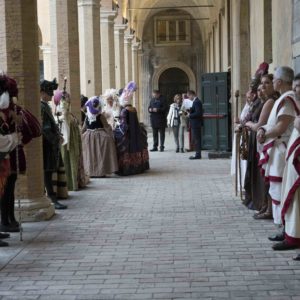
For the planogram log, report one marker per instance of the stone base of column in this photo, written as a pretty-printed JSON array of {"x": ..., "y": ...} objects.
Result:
[{"x": 35, "y": 210}]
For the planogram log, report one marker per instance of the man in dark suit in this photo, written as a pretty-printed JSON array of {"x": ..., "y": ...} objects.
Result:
[
  {"x": 157, "y": 109},
  {"x": 196, "y": 121}
]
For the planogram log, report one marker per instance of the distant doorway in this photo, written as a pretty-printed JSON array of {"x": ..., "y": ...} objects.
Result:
[{"x": 173, "y": 81}]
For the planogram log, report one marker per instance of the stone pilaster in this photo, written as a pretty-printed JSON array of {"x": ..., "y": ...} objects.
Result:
[
  {"x": 107, "y": 49},
  {"x": 19, "y": 57},
  {"x": 128, "y": 57},
  {"x": 241, "y": 69},
  {"x": 89, "y": 46},
  {"x": 140, "y": 84},
  {"x": 135, "y": 71},
  {"x": 65, "y": 47},
  {"x": 119, "y": 55}
]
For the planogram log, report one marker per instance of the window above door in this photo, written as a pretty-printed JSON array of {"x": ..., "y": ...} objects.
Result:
[{"x": 172, "y": 30}]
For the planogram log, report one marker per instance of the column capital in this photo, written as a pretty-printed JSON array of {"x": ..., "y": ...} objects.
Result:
[
  {"x": 128, "y": 38},
  {"x": 88, "y": 3},
  {"x": 120, "y": 28},
  {"x": 107, "y": 16},
  {"x": 135, "y": 46}
]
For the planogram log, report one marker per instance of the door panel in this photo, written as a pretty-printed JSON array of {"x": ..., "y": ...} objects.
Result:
[
  {"x": 209, "y": 130},
  {"x": 216, "y": 108}
]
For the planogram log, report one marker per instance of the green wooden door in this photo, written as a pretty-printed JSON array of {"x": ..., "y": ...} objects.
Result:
[{"x": 216, "y": 130}]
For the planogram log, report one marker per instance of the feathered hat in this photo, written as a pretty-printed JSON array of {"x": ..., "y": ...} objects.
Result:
[
  {"x": 255, "y": 81},
  {"x": 93, "y": 108},
  {"x": 110, "y": 93},
  {"x": 59, "y": 95},
  {"x": 127, "y": 93}
]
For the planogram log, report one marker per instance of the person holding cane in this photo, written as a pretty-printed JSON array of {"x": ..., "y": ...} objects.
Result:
[{"x": 52, "y": 140}]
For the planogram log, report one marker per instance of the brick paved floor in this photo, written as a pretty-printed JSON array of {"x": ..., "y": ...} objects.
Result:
[{"x": 176, "y": 232}]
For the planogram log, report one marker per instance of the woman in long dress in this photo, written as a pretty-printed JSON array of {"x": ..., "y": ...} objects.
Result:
[
  {"x": 254, "y": 183},
  {"x": 131, "y": 137},
  {"x": 112, "y": 108},
  {"x": 258, "y": 190},
  {"x": 71, "y": 148},
  {"x": 99, "y": 149}
]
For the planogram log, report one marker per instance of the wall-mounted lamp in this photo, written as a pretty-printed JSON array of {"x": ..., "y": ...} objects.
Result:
[
  {"x": 132, "y": 31},
  {"x": 124, "y": 20}
]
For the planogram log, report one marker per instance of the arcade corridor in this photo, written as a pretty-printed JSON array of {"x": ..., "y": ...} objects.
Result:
[{"x": 176, "y": 232}]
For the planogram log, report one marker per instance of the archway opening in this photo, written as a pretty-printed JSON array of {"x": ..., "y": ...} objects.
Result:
[{"x": 173, "y": 81}]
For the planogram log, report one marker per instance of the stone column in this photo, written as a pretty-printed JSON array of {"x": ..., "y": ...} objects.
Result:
[
  {"x": 217, "y": 47},
  {"x": 46, "y": 49},
  {"x": 140, "y": 97},
  {"x": 119, "y": 55},
  {"x": 241, "y": 68},
  {"x": 65, "y": 48},
  {"x": 128, "y": 57},
  {"x": 135, "y": 72},
  {"x": 145, "y": 86},
  {"x": 207, "y": 56},
  {"x": 225, "y": 38},
  {"x": 107, "y": 49},
  {"x": 19, "y": 57},
  {"x": 89, "y": 46}
]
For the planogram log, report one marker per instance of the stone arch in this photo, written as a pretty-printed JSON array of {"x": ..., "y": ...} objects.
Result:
[{"x": 176, "y": 64}]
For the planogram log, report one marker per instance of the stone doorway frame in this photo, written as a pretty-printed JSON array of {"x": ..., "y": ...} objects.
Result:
[{"x": 182, "y": 66}]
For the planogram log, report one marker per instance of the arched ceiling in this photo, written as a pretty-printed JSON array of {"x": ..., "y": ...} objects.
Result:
[{"x": 138, "y": 14}]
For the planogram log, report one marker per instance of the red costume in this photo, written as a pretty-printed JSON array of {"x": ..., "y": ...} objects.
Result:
[{"x": 14, "y": 119}]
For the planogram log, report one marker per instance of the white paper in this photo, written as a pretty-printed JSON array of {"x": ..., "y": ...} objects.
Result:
[{"x": 187, "y": 103}]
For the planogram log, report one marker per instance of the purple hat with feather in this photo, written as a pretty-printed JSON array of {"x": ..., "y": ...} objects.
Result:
[
  {"x": 94, "y": 105},
  {"x": 127, "y": 94}
]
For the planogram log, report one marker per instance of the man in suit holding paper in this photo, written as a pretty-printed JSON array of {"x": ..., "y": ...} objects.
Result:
[{"x": 196, "y": 121}]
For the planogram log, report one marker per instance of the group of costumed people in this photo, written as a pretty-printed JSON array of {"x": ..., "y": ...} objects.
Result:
[
  {"x": 109, "y": 140},
  {"x": 113, "y": 140},
  {"x": 267, "y": 146}
]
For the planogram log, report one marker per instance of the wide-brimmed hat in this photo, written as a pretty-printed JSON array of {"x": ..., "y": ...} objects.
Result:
[{"x": 48, "y": 86}]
